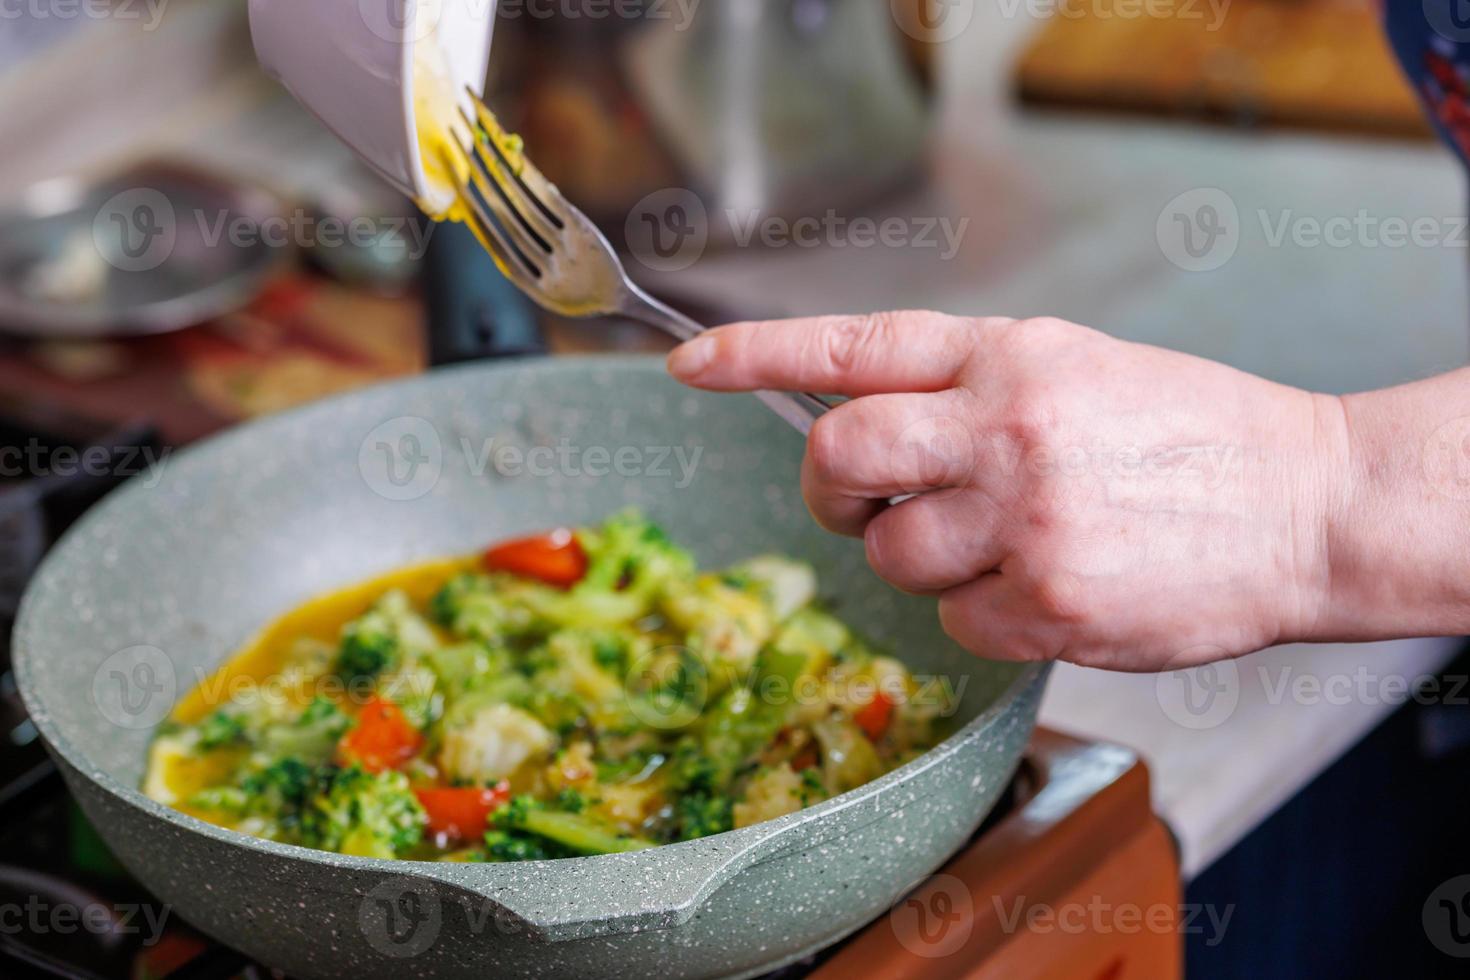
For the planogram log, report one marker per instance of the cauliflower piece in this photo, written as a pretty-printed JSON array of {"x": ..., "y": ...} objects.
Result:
[
  {"x": 848, "y": 758},
  {"x": 771, "y": 793},
  {"x": 787, "y": 585},
  {"x": 494, "y": 743},
  {"x": 726, "y": 626},
  {"x": 573, "y": 768},
  {"x": 629, "y": 805}
]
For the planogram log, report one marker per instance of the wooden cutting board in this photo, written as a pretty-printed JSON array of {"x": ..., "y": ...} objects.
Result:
[{"x": 1322, "y": 64}]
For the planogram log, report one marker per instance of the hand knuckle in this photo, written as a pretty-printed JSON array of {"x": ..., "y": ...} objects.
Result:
[
  {"x": 854, "y": 344},
  {"x": 1059, "y": 597},
  {"x": 1042, "y": 328},
  {"x": 824, "y": 447},
  {"x": 1034, "y": 417}
]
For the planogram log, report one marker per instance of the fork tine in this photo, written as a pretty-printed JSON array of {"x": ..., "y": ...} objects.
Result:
[
  {"x": 513, "y": 227},
  {"x": 508, "y": 258},
  {"x": 495, "y": 171},
  {"x": 538, "y": 190}
]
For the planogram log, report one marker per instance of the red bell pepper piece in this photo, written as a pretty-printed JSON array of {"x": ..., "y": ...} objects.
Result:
[
  {"x": 461, "y": 813},
  {"x": 554, "y": 558},
  {"x": 382, "y": 739},
  {"x": 874, "y": 717}
]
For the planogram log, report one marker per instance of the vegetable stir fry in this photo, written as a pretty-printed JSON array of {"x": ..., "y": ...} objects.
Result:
[{"x": 582, "y": 692}]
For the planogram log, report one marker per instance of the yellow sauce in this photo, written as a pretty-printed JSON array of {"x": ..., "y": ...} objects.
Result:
[
  {"x": 175, "y": 774},
  {"x": 321, "y": 619},
  {"x": 442, "y": 133}
]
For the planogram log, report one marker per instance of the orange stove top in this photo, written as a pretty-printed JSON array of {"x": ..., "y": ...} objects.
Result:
[{"x": 1076, "y": 880}]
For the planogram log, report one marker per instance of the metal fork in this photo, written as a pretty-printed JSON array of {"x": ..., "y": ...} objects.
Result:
[{"x": 556, "y": 256}]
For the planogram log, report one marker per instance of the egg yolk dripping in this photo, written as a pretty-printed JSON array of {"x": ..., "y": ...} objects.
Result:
[{"x": 442, "y": 134}]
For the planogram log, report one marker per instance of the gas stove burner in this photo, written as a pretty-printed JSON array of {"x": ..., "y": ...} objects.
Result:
[{"x": 34, "y": 897}]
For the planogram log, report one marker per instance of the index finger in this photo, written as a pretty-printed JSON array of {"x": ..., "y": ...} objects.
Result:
[{"x": 877, "y": 353}]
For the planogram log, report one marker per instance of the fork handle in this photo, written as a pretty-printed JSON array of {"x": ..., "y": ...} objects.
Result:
[{"x": 799, "y": 409}]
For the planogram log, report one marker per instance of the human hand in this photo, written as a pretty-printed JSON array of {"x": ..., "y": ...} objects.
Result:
[{"x": 1079, "y": 497}]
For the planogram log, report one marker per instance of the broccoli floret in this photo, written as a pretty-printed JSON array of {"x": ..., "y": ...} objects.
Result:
[
  {"x": 570, "y": 800},
  {"x": 690, "y": 769},
  {"x": 461, "y": 665},
  {"x": 576, "y": 832},
  {"x": 270, "y": 799},
  {"x": 311, "y": 737},
  {"x": 560, "y": 711},
  {"x": 221, "y": 728},
  {"x": 701, "y": 814},
  {"x": 366, "y": 651},
  {"x": 366, "y": 814},
  {"x": 740, "y": 724},
  {"x": 282, "y": 785},
  {"x": 502, "y": 845},
  {"x": 630, "y": 554},
  {"x": 380, "y": 638},
  {"x": 449, "y": 602},
  {"x": 610, "y": 652}
]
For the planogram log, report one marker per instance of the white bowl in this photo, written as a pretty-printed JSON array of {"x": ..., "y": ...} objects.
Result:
[{"x": 351, "y": 62}]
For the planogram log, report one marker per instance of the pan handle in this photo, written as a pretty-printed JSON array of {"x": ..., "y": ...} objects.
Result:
[{"x": 580, "y": 898}]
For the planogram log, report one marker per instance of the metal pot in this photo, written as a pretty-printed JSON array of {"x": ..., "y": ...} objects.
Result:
[{"x": 157, "y": 585}]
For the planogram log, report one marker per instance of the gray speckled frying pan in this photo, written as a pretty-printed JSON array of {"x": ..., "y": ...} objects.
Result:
[{"x": 159, "y": 583}]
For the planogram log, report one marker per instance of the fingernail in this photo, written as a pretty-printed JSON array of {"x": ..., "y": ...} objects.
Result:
[{"x": 689, "y": 359}]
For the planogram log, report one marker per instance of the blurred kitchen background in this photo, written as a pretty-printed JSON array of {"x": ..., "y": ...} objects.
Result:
[{"x": 1052, "y": 149}]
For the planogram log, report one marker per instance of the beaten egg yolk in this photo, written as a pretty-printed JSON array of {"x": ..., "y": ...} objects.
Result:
[{"x": 441, "y": 133}]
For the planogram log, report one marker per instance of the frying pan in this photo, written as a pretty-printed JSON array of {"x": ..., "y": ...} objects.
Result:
[{"x": 157, "y": 585}]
